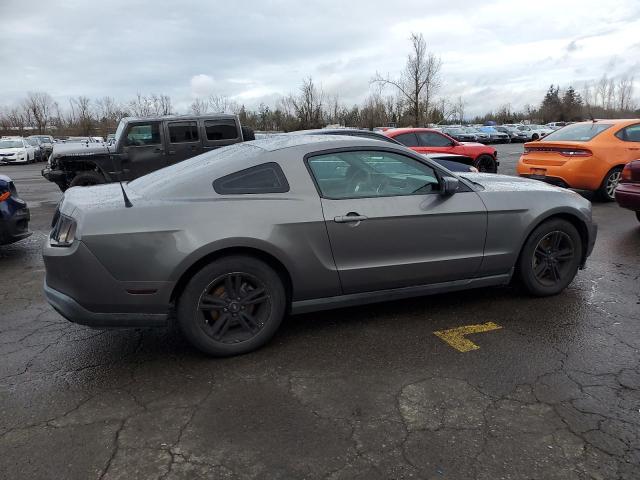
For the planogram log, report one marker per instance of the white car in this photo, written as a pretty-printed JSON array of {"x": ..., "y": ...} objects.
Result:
[
  {"x": 16, "y": 150},
  {"x": 534, "y": 132},
  {"x": 555, "y": 125}
]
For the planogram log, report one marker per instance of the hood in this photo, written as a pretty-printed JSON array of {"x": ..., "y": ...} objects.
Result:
[
  {"x": 70, "y": 149},
  {"x": 503, "y": 183},
  {"x": 12, "y": 150}
]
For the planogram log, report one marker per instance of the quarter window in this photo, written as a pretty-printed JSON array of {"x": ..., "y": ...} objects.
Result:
[
  {"x": 431, "y": 139},
  {"x": 407, "y": 139},
  {"x": 630, "y": 134},
  {"x": 144, "y": 134},
  {"x": 265, "y": 178},
  {"x": 371, "y": 174},
  {"x": 181, "y": 132},
  {"x": 223, "y": 129}
]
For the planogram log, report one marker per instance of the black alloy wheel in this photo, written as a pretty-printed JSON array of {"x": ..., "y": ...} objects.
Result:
[
  {"x": 234, "y": 307},
  {"x": 550, "y": 257}
]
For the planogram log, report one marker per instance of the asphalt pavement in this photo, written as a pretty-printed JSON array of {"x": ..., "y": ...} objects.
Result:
[{"x": 548, "y": 389}]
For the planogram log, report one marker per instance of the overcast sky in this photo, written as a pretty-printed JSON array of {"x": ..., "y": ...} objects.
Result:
[{"x": 493, "y": 51}]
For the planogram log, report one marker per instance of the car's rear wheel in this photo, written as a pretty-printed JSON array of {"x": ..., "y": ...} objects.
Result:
[
  {"x": 550, "y": 258},
  {"x": 486, "y": 163},
  {"x": 86, "y": 179},
  {"x": 232, "y": 306},
  {"x": 535, "y": 136},
  {"x": 606, "y": 192}
]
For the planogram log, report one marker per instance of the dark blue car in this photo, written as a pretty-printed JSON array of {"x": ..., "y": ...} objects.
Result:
[{"x": 14, "y": 214}]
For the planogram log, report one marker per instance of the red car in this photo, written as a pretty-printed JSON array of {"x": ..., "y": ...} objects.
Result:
[
  {"x": 628, "y": 189},
  {"x": 427, "y": 140}
]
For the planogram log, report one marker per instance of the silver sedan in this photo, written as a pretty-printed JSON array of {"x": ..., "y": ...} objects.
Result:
[{"x": 233, "y": 240}]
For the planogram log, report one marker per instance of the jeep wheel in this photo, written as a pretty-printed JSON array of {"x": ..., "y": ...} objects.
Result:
[{"x": 86, "y": 179}]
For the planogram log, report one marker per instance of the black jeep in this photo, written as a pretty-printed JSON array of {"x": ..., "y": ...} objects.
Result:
[{"x": 142, "y": 145}]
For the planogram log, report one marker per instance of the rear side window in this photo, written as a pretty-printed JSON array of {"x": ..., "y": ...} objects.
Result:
[
  {"x": 578, "y": 132},
  {"x": 630, "y": 134},
  {"x": 222, "y": 129},
  {"x": 432, "y": 139},
  {"x": 180, "y": 132},
  {"x": 265, "y": 178},
  {"x": 407, "y": 139}
]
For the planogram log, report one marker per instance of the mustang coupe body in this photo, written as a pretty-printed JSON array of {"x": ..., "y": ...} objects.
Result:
[{"x": 234, "y": 239}]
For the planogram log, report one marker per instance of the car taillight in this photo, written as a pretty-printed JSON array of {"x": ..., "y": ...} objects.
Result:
[
  {"x": 4, "y": 196},
  {"x": 64, "y": 232},
  {"x": 631, "y": 172},
  {"x": 575, "y": 153},
  {"x": 565, "y": 152}
]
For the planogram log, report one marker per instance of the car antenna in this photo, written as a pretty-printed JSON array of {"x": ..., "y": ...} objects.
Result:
[{"x": 127, "y": 202}]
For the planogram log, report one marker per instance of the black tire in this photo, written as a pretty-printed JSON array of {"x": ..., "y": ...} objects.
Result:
[
  {"x": 216, "y": 322},
  {"x": 86, "y": 179},
  {"x": 609, "y": 184},
  {"x": 535, "y": 136},
  {"x": 638, "y": 216},
  {"x": 486, "y": 163},
  {"x": 550, "y": 258}
]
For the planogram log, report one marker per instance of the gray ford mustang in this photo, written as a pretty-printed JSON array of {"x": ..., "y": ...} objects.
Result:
[{"x": 234, "y": 239}]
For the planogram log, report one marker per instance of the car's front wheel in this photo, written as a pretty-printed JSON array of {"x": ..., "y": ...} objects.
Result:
[
  {"x": 232, "y": 306},
  {"x": 550, "y": 258},
  {"x": 486, "y": 163}
]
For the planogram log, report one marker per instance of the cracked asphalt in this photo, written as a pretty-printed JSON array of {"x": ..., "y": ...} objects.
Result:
[{"x": 358, "y": 393}]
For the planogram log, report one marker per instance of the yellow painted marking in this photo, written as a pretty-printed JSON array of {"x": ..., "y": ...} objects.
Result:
[{"x": 455, "y": 336}]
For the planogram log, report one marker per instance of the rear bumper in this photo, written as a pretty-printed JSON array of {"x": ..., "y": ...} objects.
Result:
[
  {"x": 15, "y": 227},
  {"x": 82, "y": 290},
  {"x": 76, "y": 313},
  {"x": 628, "y": 196},
  {"x": 558, "y": 182}
]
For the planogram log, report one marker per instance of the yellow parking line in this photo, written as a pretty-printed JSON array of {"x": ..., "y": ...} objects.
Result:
[{"x": 455, "y": 336}]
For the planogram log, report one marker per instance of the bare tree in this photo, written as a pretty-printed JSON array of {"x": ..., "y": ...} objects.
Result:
[
  {"x": 161, "y": 104},
  {"x": 420, "y": 80},
  {"x": 82, "y": 114},
  {"x": 308, "y": 104},
  {"x": 223, "y": 104},
  {"x": 199, "y": 106},
  {"x": 624, "y": 93},
  {"x": 39, "y": 106}
]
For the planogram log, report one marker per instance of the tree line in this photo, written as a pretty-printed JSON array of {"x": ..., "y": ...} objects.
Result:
[{"x": 409, "y": 99}]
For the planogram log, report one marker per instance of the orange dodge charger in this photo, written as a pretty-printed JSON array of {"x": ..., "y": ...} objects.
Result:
[{"x": 584, "y": 156}]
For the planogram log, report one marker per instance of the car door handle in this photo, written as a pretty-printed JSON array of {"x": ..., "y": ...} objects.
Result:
[
  {"x": 349, "y": 217},
  {"x": 171, "y": 152}
]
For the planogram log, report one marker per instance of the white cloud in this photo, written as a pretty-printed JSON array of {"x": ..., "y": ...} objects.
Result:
[
  {"x": 493, "y": 52},
  {"x": 202, "y": 85}
]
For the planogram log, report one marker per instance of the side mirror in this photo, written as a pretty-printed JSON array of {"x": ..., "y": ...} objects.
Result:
[{"x": 449, "y": 186}]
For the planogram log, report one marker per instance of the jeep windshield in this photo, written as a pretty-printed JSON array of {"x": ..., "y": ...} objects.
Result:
[{"x": 119, "y": 131}]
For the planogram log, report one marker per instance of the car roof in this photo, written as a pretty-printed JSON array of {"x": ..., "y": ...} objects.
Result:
[
  {"x": 281, "y": 142},
  {"x": 180, "y": 117},
  {"x": 398, "y": 131}
]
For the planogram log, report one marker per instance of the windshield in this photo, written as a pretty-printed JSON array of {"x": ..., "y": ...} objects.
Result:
[
  {"x": 578, "y": 132},
  {"x": 119, "y": 130},
  {"x": 11, "y": 144},
  {"x": 45, "y": 139}
]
